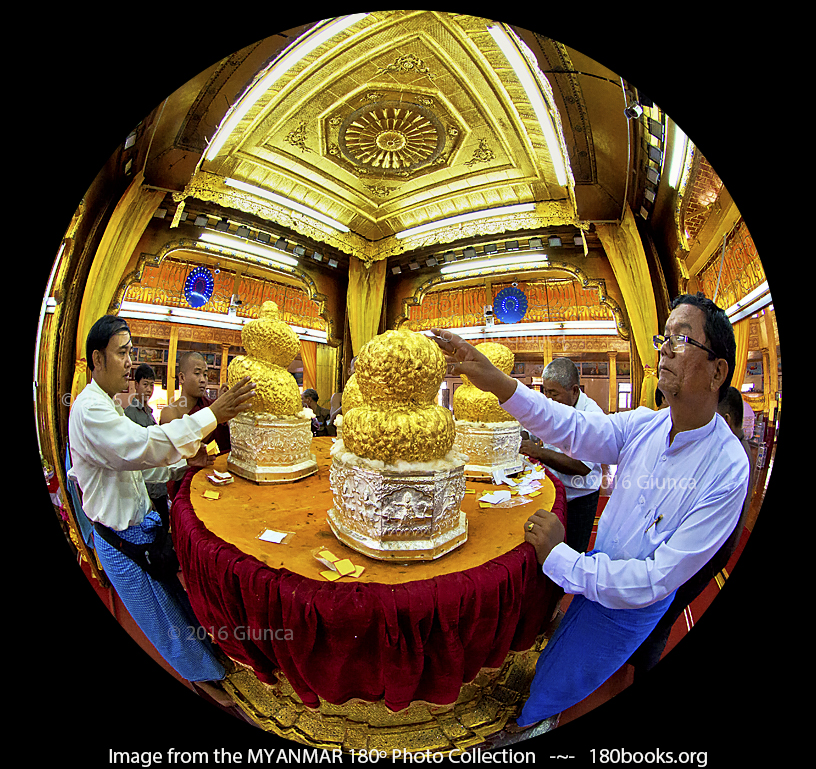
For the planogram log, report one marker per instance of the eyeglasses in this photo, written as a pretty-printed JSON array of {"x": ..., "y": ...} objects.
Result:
[{"x": 678, "y": 343}]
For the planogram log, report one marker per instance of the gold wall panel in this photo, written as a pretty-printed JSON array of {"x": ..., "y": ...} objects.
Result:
[{"x": 742, "y": 269}]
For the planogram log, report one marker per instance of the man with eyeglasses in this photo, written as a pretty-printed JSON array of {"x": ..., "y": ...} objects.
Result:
[{"x": 681, "y": 480}]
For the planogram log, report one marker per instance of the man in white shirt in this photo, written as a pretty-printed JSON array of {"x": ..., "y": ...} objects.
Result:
[
  {"x": 681, "y": 481},
  {"x": 109, "y": 453},
  {"x": 582, "y": 480}
]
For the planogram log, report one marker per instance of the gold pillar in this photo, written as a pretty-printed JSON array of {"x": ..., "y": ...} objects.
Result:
[
  {"x": 326, "y": 379},
  {"x": 171, "y": 364},
  {"x": 131, "y": 216},
  {"x": 635, "y": 374},
  {"x": 222, "y": 379},
  {"x": 613, "y": 381},
  {"x": 547, "y": 351},
  {"x": 627, "y": 257},
  {"x": 771, "y": 378}
]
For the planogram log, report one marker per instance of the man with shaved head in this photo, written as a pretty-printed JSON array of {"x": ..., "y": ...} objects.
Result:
[{"x": 192, "y": 377}]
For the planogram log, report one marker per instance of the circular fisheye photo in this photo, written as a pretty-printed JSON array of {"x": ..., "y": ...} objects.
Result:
[{"x": 407, "y": 387}]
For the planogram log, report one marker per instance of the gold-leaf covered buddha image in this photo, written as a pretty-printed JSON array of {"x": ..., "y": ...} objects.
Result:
[
  {"x": 399, "y": 374},
  {"x": 352, "y": 396},
  {"x": 470, "y": 404},
  {"x": 271, "y": 347}
]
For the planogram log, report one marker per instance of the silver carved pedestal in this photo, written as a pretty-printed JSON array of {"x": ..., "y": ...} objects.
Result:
[
  {"x": 401, "y": 516},
  {"x": 266, "y": 449},
  {"x": 490, "y": 446}
]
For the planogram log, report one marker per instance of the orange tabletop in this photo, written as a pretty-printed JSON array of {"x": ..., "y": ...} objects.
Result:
[
  {"x": 399, "y": 633},
  {"x": 244, "y": 509}
]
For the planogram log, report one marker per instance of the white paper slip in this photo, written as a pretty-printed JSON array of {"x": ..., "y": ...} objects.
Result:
[
  {"x": 499, "y": 478},
  {"x": 528, "y": 486},
  {"x": 273, "y": 536},
  {"x": 221, "y": 476},
  {"x": 497, "y": 496}
]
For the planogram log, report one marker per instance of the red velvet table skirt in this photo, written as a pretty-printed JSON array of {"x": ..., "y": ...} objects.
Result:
[{"x": 400, "y": 643}]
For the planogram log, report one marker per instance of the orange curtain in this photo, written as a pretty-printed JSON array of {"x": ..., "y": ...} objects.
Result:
[
  {"x": 364, "y": 302},
  {"x": 741, "y": 333},
  {"x": 127, "y": 223},
  {"x": 624, "y": 249},
  {"x": 308, "y": 354}
]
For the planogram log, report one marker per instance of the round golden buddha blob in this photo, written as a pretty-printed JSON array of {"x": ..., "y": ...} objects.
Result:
[
  {"x": 271, "y": 346},
  {"x": 399, "y": 431},
  {"x": 398, "y": 374},
  {"x": 400, "y": 366},
  {"x": 470, "y": 404},
  {"x": 351, "y": 395}
]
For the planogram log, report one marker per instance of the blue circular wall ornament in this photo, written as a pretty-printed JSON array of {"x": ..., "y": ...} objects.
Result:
[
  {"x": 510, "y": 305},
  {"x": 198, "y": 288}
]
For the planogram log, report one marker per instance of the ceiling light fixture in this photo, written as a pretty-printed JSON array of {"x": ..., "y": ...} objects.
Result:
[
  {"x": 678, "y": 156},
  {"x": 249, "y": 248},
  {"x": 483, "y": 214},
  {"x": 286, "y": 203},
  {"x": 543, "y": 328},
  {"x": 301, "y": 48},
  {"x": 517, "y": 260},
  {"x": 520, "y": 66}
]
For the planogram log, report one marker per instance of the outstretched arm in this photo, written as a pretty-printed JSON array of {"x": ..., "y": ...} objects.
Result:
[{"x": 474, "y": 365}]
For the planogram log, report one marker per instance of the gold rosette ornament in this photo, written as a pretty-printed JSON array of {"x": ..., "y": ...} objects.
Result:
[
  {"x": 399, "y": 374},
  {"x": 470, "y": 404},
  {"x": 271, "y": 346}
]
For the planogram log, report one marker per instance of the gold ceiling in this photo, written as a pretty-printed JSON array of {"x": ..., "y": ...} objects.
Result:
[{"x": 403, "y": 118}]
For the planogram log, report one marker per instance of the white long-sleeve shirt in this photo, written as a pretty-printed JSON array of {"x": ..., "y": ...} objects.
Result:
[
  {"x": 580, "y": 485},
  {"x": 109, "y": 452},
  {"x": 672, "y": 506}
]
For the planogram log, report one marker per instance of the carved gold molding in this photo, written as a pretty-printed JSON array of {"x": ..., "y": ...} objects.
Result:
[
  {"x": 691, "y": 163},
  {"x": 598, "y": 284},
  {"x": 548, "y": 213},
  {"x": 199, "y": 247},
  {"x": 210, "y": 187}
]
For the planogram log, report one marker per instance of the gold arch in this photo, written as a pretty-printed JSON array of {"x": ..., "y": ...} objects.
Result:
[
  {"x": 195, "y": 246},
  {"x": 598, "y": 284}
]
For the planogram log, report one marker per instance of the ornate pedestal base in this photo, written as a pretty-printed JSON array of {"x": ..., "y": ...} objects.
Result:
[
  {"x": 265, "y": 449},
  {"x": 483, "y": 708},
  {"x": 490, "y": 446},
  {"x": 401, "y": 516}
]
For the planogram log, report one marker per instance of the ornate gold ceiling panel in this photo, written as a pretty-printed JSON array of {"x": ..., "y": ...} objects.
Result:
[{"x": 404, "y": 118}]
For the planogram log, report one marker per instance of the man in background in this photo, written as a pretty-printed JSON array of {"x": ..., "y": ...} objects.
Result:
[
  {"x": 139, "y": 411},
  {"x": 192, "y": 377},
  {"x": 582, "y": 480},
  {"x": 309, "y": 400}
]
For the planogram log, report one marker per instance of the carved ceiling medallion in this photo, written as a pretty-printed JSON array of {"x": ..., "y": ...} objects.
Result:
[{"x": 392, "y": 137}]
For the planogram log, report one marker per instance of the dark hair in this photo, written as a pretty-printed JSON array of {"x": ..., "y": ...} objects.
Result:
[
  {"x": 731, "y": 404},
  {"x": 718, "y": 330},
  {"x": 100, "y": 334},
  {"x": 311, "y": 394},
  {"x": 144, "y": 372}
]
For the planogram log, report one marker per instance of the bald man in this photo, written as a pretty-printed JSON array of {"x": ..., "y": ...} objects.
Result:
[{"x": 192, "y": 376}]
